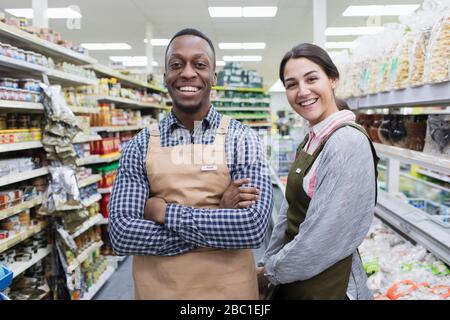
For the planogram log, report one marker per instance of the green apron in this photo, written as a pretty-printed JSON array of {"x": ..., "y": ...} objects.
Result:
[{"x": 330, "y": 284}]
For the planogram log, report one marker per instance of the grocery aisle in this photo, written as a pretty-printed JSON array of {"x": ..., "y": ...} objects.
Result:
[{"x": 72, "y": 98}]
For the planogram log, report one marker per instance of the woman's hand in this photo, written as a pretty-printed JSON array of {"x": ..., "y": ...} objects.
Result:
[{"x": 237, "y": 197}]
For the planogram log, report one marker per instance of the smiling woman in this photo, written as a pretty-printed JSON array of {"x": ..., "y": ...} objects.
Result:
[{"x": 330, "y": 193}]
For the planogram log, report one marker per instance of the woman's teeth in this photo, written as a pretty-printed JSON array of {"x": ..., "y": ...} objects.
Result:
[{"x": 308, "y": 102}]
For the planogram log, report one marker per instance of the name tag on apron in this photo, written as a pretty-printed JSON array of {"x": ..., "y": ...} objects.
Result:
[{"x": 209, "y": 168}]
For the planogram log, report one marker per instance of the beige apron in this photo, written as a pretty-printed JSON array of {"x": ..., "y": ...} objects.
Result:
[{"x": 193, "y": 175}]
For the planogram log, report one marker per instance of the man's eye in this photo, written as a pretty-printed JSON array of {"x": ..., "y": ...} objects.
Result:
[{"x": 175, "y": 65}]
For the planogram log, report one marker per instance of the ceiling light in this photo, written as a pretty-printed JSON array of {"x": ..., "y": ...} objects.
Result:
[
  {"x": 242, "y": 58},
  {"x": 106, "y": 46},
  {"x": 238, "y": 12},
  {"x": 52, "y": 13},
  {"x": 373, "y": 10},
  {"x": 159, "y": 42},
  {"x": 245, "y": 45},
  {"x": 252, "y": 12},
  {"x": 352, "y": 31},
  {"x": 340, "y": 45},
  {"x": 220, "y": 63}
]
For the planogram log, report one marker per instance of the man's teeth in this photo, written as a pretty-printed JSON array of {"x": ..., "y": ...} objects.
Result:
[
  {"x": 188, "y": 89},
  {"x": 308, "y": 102}
]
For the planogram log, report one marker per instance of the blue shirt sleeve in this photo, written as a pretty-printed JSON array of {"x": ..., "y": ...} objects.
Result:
[{"x": 130, "y": 234}]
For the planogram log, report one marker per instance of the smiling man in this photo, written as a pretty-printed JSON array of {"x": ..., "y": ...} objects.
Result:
[{"x": 192, "y": 194}]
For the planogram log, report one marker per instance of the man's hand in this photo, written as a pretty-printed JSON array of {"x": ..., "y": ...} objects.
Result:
[
  {"x": 237, "y": 197},
  {"x": 263, "y": 282},
  {"x": 155, "y": 210}
]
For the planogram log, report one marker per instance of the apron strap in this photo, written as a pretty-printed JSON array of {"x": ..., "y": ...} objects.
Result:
[
  {"x": 221, "y": 132},
  {"x": 155, "y": 135},
  {"x": 374, "y": 152}
]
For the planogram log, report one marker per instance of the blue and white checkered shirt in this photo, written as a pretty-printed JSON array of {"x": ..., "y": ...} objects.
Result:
[{"x": 187, "y": 228}]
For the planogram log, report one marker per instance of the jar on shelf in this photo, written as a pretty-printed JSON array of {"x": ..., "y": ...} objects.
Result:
[
  {"x": 373, "y": 130},
  {"x": 21, "y": 55},
  {"x": 384, "y": 130},
  {"x": 398, "y": 132},
  {"x": 8, "y": 49}
]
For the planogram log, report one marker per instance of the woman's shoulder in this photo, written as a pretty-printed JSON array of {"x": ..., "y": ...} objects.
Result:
[{"x": 347, "y": 139}]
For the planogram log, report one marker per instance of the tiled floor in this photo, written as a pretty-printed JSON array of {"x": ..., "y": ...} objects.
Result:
[{"x": 120, "y": 285}]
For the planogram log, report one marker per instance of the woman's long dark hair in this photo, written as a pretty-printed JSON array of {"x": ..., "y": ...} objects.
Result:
[
  {"x": 314, "y": 53},
  {"x": 320, "y": 57}
]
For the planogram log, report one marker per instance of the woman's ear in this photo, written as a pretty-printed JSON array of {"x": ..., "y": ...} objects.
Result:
[{"x": 334, "y": 83}]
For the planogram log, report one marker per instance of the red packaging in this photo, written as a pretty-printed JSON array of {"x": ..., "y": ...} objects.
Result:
[{"x": 104, "y": 205}]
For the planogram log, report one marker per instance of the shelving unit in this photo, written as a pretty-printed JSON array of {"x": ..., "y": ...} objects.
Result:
[
  {"x": 16, "y": 106},
  {"x": 392, "y": 206},
  {"x": 19, "y": 267},
  {"x": 117, "y": 129},
  {"x": 130, "y": 103},
  {"x": 99, "y": 284},
  {"x": 22, "y": 176},
  {"x": 83, "y": 256},
  {"x": 31, "y": 42},
  {"x": 87, "y": 225},
  {"x": 91, "y": 180},
  {"x": 428, "y": 94},
  {"x": 8, "y": 212},
  {"x": 96, "y": 159},
  {"x": 20, "y": 146},
  {"x": 85, "y": 110},
  {"x": 17, "y": 238}
]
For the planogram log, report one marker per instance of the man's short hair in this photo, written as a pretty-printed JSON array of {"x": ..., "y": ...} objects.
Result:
[{"x": 193, "y": 32}]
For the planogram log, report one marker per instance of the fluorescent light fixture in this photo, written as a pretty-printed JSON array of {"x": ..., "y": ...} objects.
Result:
[
  {"x": 336, "y": 53},
  {"x": 352, "y": 31},
  {"x": 373, "y": 10},
  {"x": 220, "y": 63},
  {"x": 239, "y": 12},
  {"x": 138, "y": 63},
  {"x": 340, "y": 45},
  {"x": 225, "y": 12},
  {"x": 52, "y": 13},
  {"x": 252, "y": 12},
  {"x": 106, "y": 46},
  {"x": 238, "y": 46},
  {"x": 160, "y": 42},
  {"x": 242, "y": 58}
]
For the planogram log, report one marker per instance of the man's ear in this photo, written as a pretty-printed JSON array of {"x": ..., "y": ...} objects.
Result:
[{"x": 164, "y": 79}]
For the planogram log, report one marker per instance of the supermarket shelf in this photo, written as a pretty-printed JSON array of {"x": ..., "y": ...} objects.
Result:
[
  {"x": 8, "y": 212},
  {"x": 103, "y": 71},
  {"x": 259, "y": 90},
  {"x": 86, "y": 110},
  {"x": 430, "y": 184},
  {"x": 91, "y": 200},
  {"x": 83, "y": 256},
  {"x": 434, "y": 175},
  {"x": 95, "y": 159},
  {"x": 83, "y": 138},
  {"x": 113, "y": 261},
  {"x": 242, "y": 100},
  {"x": 408, "y": 110},
  {"x": 37, "y": 70},
  {"x": 15, "y": 106},
  {"x": 19, "y": 267},
  {"x": 267, "y": 109},
  {"x": 20, "y": 146},
  {"x": 259, "y": 124},
  {"x": 429, "y": 161},
  {"x": 97, "y": 286},
  {"x": 103, "y": 221},
  {"x": 91, "y": 180},
  {"x": 415, "y": 224},
  {"x": 249, "y": 117},
  {"x": 105, "y": 190},
  {"x": 32, "y": 42},
  {"x": 22, "y": 176},
  {"x": 427, "y": 94},
  {"x": 87, "y": 225},
  {"x": 12, "y": 241},
  {"x": 117, "y": 129},
  {"x": 130, "y": 103}
]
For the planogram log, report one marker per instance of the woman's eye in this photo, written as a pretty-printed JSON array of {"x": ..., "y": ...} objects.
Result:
[
  {"x": 290, "y": 85},
  {"x": 312, "y": 79}
]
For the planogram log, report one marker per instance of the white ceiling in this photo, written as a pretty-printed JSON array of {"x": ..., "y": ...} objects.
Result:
[{"x": 124, "y": 21}]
